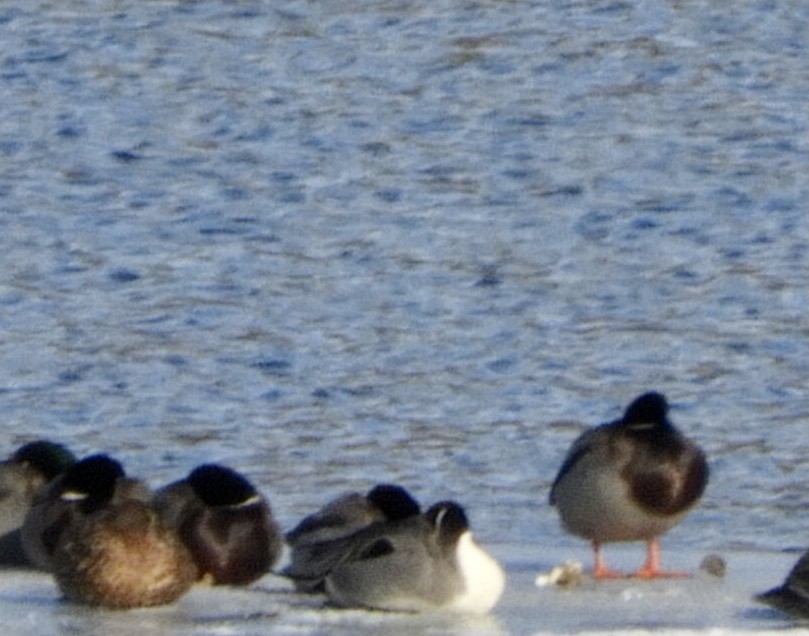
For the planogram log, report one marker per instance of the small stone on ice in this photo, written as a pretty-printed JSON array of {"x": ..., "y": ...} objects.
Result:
[{"x": 714, "y": 565}]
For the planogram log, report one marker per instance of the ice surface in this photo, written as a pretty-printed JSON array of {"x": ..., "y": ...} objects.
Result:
[{"x": 30, "y": 604}]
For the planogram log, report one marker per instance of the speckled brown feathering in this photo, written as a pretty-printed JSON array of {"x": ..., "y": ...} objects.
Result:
[
  {"x": 630, "y": 480},
  {"x": 96, "y": 480},
  {"x": 122, "y": 557},
  {"x": 104, "y": 543}
]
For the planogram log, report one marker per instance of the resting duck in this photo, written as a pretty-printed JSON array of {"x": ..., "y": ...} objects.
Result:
[
  {"x": 24, "y": 474},
  {"x": 22, "y": 478},
  {"x": 314, "y": 541},
  {"x": 793, "y": 596},
  {"x": 52, "y": 509},
  {"x": 630, "y": 480},
  {"x": 421, "y": 563},
  {"x": 225, "y": 523},
  {"x": 112, "y": 550}
]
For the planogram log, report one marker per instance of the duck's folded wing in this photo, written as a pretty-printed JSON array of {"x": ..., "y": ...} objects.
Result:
[
  {"x": 313, "y": 561},
  {"x": 581, "y": 447},
  {"x": 335, "y": 520}
]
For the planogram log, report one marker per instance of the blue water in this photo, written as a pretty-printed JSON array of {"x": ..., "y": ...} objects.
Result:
[{"x": 333, "y": 243}]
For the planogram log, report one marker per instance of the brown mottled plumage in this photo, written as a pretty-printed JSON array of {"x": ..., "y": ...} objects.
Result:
[
  {"x": 60, "y": 502},
  {"x": 105, "y": 545},
  {"x": 122, "y": 557}
]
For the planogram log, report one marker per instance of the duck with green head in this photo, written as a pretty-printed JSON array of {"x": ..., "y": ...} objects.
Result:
[
  {"x": 630, "y": 480},
  {"x": 224, "y": 521},
  {"x": 52, "y": 510}
]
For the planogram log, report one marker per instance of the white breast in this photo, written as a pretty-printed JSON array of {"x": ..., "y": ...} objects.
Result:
[{"x": 484, "y": 578}]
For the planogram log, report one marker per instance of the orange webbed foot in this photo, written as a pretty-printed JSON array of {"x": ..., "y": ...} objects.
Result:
[
  {"x": 605, "y": 574},
  {"x": 650, "y": 574},
  {"x": 651, "y": 570}
]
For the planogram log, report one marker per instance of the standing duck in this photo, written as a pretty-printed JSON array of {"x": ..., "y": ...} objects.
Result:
[
  {"x": 420, "y": 563},
  {"x": 630, "y": 480},
  {"x": 110, "y": 549},
  {"x": 226, "y": 524},
  {"x": 314, "y": 541}
]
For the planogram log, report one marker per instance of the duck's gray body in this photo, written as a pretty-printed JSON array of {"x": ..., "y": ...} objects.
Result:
[
  {"x": 316, "y": 541},
  {"x": 422, "y": 563},
  {"x": 596, "y": 500},
  {"x": 339, "y": 518}
]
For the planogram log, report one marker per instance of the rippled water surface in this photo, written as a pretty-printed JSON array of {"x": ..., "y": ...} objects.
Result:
[{"x": 333, "y": 243}]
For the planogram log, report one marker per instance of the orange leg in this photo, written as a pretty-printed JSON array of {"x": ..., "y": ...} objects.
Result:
[
  {"x": 651, "y": 569},
  {"x": 601, "y": 571}
]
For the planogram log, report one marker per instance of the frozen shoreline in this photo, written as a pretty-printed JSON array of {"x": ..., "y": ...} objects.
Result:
[{"x": 29, "y": 603}]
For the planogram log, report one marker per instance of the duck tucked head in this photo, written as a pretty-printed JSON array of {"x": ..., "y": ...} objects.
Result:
[
  {"x": 667, "y": 472},
  {"x": 47, "y": 458},
  {"x": 106, "y": 544},
  {"x": 650, "y": 410},
  {"x": 481, "y": 576},
  {"x": 449, "y": 521},
  {"x": 218, "y": 485},
  {"x": 394, "y": 502},
  {"x": 225, "y": 523},
  {"x": 91, "y": 482},
  {"x": 630, "y": 479}
]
